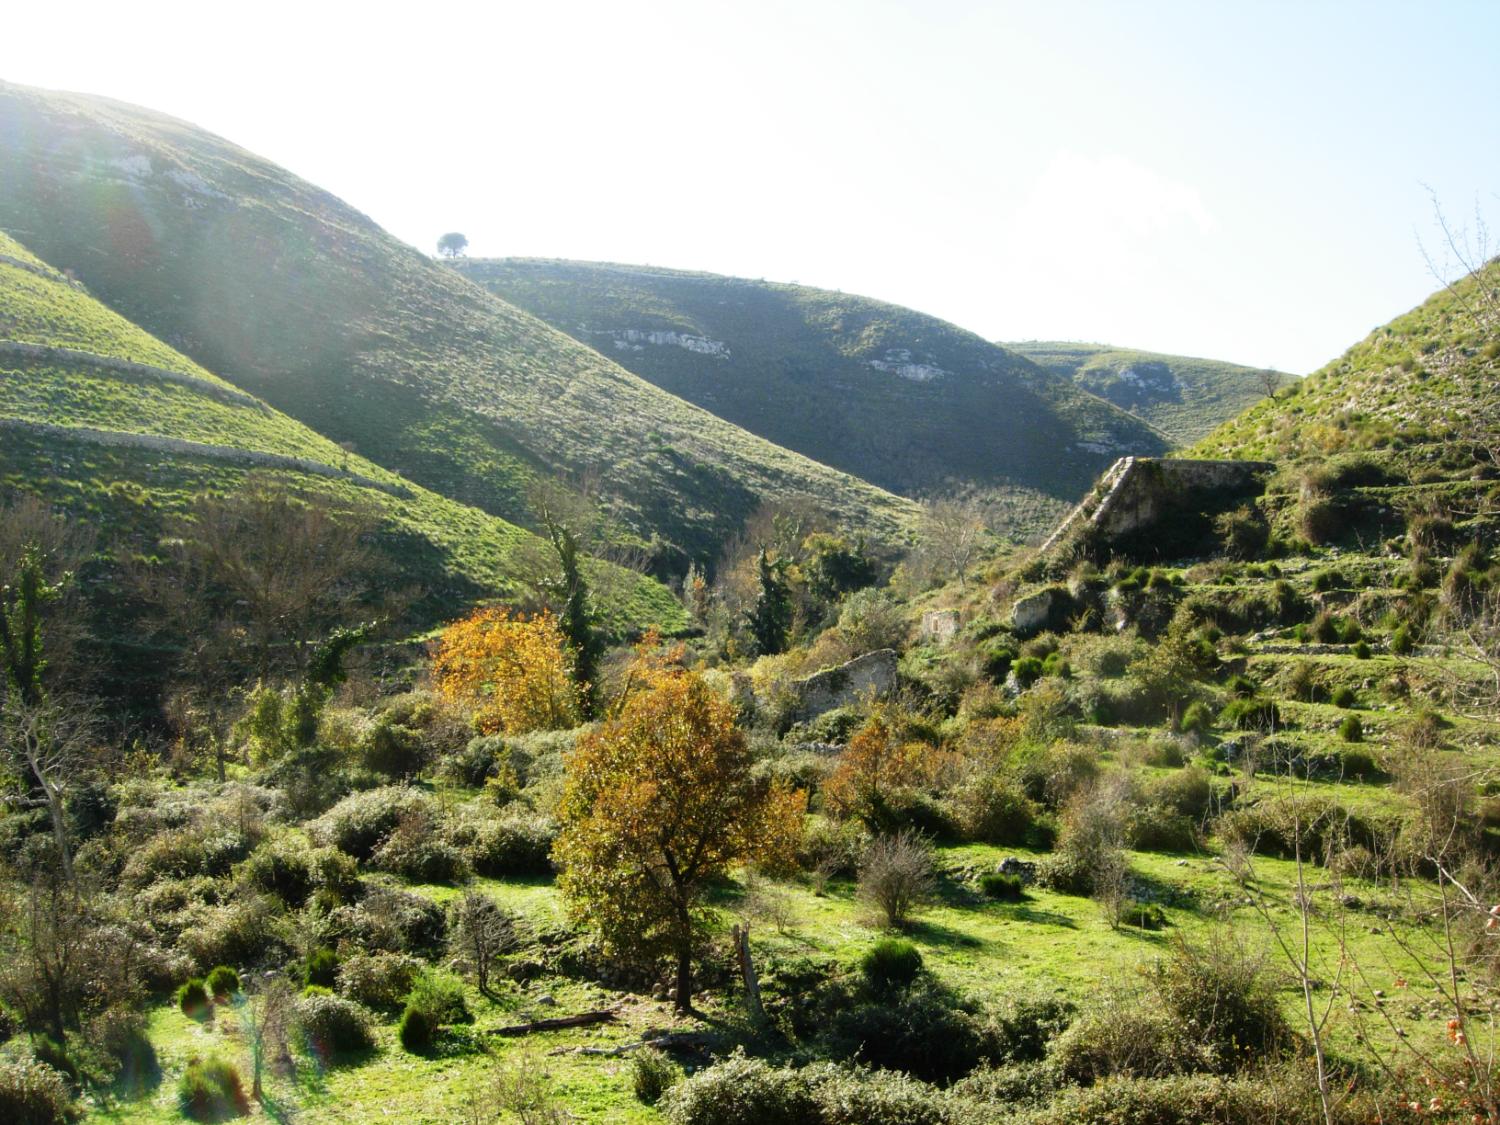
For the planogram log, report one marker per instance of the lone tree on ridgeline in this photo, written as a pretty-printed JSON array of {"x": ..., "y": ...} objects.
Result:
[
  {"x": 452, "y": 245},
  {"x": 660, "y": 802}
]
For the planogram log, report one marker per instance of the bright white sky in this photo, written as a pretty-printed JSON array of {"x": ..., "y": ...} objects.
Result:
[{"x": 1239, "y": 180}]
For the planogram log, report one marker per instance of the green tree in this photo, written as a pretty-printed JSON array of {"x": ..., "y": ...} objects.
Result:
[
  {"x": 452, "y": 245},
  {"x": 770, "y": 618},
  {"x": 834, "y": 568}
]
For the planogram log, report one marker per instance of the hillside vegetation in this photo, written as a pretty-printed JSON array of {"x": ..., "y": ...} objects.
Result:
[
  {"x": 122, "y": 432},
  {"x": 1182, "y": 396},
  {"x": 297, "y": 298},
  {"x": 905, "y": 400}
]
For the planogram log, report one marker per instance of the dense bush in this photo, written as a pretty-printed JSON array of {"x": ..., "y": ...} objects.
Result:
[
  {"x": 32, "y": 1093},
  {"x": 1251, "y": 714},
  {"x": 890, "y": 964},
  {"x": 440, "y": 996},
  {"x": 361, "y": 822},
  {"x": 321, "y": 967},
  {"x": 1351, "y": 729},
  {"x": 223, "y": 982},
  {"x": 652, "y": 1075},
  {"x": 1123, "y": 1036},
  {"x": 416, "y": 1029},
  {"x": 416, "y": 851},
  {"x": 380, "y": 981},
  {"x": 1189, "y": 1099},
  {"x": 1002, "y": 887},
  {"x": 518, "y": 842},
  {"x": 334, "y": 1026},
  {"x": 243, "y": 931},
  {"x": 1223, "y": 998},
  {"x": 192, "y": 998},
  {"x": 1343, "y": 696},
  {"x": 1019, "y": 1027},
  {"x": 742, "y": 1091},
  {"x": 211, "y": 1090},
  {"x": 395, "y": 920},
  {"x": 280, "y": 867},
  {"x": 923, "y": 1030},
  {"x": 994, "y": 809}
]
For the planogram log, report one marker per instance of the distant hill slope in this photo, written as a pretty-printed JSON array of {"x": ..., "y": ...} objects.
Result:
[
  {"x": 905, "y": 400},
  {"x": 1424, "y": 390},
  {"x": 120, "y": 430},
  {"x": 298, "y": 298},
  {"x": 1182, "y": 396}
]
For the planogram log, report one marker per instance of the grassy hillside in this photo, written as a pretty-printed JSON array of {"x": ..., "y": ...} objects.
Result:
[
  {"x": 907, "y": 401},
  {"x": 1405, "y": 391},
  {"x": 296, "y": 297},
  {"x": 1182, "y": 396},
  {"x": 104, "y": 419}
]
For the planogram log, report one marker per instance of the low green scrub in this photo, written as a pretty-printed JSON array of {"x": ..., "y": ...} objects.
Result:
[{"x": 211, "y": 1090}]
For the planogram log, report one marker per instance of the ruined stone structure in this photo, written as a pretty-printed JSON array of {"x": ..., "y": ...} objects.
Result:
[
  {"x": 873, "y": 674},
  {"x": 1137, "y": 492}
]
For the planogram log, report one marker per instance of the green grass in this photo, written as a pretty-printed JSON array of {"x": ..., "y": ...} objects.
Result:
[
  {"x": 1182, "y": 396},
  {"x": 292, "y": 295},
  {"x": 821, "y": 372}
]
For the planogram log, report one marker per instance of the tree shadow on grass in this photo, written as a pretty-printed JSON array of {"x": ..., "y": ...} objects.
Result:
[
  {"x": 935, "y": 933},
  {"x": 1025, "y": 911}
]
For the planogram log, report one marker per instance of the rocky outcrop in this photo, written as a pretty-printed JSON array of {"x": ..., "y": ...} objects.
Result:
[
  {"x": 1035, "y": 612},
  {"x": 873, "y": 674}
]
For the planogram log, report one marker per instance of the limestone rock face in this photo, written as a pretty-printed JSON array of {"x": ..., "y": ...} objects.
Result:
[{"x": 871, "y": 674}]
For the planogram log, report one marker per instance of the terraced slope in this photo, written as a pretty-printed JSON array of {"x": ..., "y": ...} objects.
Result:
[
  {"x": 109, "y": 422},
  {"x": 908, "y": 401},
  {"x": 1182, "y": 396},
  {"x": 301, "y": 300}
]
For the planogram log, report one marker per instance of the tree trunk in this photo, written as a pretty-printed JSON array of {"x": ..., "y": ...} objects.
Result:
[
  {"x": 684, "y": 981},
  {"x": 747, "y": 970}
]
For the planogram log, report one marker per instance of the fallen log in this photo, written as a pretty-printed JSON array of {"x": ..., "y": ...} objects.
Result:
[
  {"x": 556, "y": 1023},
  {"x": 660, "y": 1042}
]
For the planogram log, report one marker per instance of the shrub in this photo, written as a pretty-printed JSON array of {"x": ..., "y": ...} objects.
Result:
[
  {"x": 897, "y": 876},
  {"x": 1002, "y": 887},
  {"x": 856, "y": 1096},
  {"x": 1402, "y": 641},
  {"x": 1351, "y": 729},
  {"x": 378, "y": 980},
  {"x": 992, "y": 808},
  {"x": 395, "y": 920},
  {"x": 1251, "y": 714},
  {"x": 361, "y": 822},
  {"x": 321, "y": 967},
  {"x": 415, "y": 851},
  {"x": 210, "y": 1090},
  {"x": 440, "y": 995},
  {"x": 243, "y": 931},
  {"x": 1343, "y": 696},
  {"x": 890, "y": 964},
  {"x": 333, "y": 1026},
  {"x": 923, "y": 1030},
  {"x": 652, "y": 1074},
  {"x": 1122, "y": 1036},
  {"x": 1186, "y": 1099},
  {"x": 223, "y": 982},
  {"x": 1222, "y": 998},
  {"x": 334, "y": 873},
  {"x": 1244, "y": 532},
  {"x": 742, "y": 1091},
  {"x": 1196, "y": 718},
  {"x": 279, "y": 867},
  {"x": 1027, "y": 670},
  {"x": 518, "y": 842},
  {"x": 415, "y": 1030},
  {"x": 32, "y": 1093},
  {"x": 1243, "y": 686},
  {"x": 192, "y": 998},
  {"x": 1362, "y": 650}
]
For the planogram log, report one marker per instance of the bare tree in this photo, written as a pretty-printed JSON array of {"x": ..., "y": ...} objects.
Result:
[
  {"x": 265, "y": 1014},
  {"x": 51, "y": 738},
  {"x": 952, "y": 535},
  {"x": 483, "y": 934}
]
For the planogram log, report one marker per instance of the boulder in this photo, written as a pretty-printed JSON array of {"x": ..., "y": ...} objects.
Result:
[{"x": 1032, "y": 613}]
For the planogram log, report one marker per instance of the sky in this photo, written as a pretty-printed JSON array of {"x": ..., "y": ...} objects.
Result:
[{"x": 1251, "y": 181}]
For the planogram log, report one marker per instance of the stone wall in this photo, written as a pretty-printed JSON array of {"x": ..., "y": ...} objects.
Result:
[{"x": 873, "y": 674}]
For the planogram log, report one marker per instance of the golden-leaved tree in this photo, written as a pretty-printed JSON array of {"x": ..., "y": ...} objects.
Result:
[
  {"x": 513, "y": 670},
  {"x": 659, "y": 802}
]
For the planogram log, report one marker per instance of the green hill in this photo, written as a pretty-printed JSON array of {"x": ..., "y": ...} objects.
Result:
[
  {"x": 907, "y": 401},
  {"x": 122, "y": 431},
  {"x": 301, "y": 300},
  {"x": 1182, "y": 396},
  {"x": 1421, "y": 391}
]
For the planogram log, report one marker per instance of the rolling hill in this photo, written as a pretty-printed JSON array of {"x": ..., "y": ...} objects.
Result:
[
  {"x": 1422, "y": 391},
  {"x": 905, "y": 400},
  {"x": 301, "y": 300},
  {"x": 121, "y": 431},
  {"x": 1182, "y": 396}
]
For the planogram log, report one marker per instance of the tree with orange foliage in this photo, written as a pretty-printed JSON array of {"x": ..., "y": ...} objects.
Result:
[
  {"x": 875, "y": 765},
  {"x": 659, "y": 802},
  {"x": 513, "y": 670}
]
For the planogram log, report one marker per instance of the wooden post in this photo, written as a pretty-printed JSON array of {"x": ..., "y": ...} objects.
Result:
[{"x": 747, "y": 970}]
